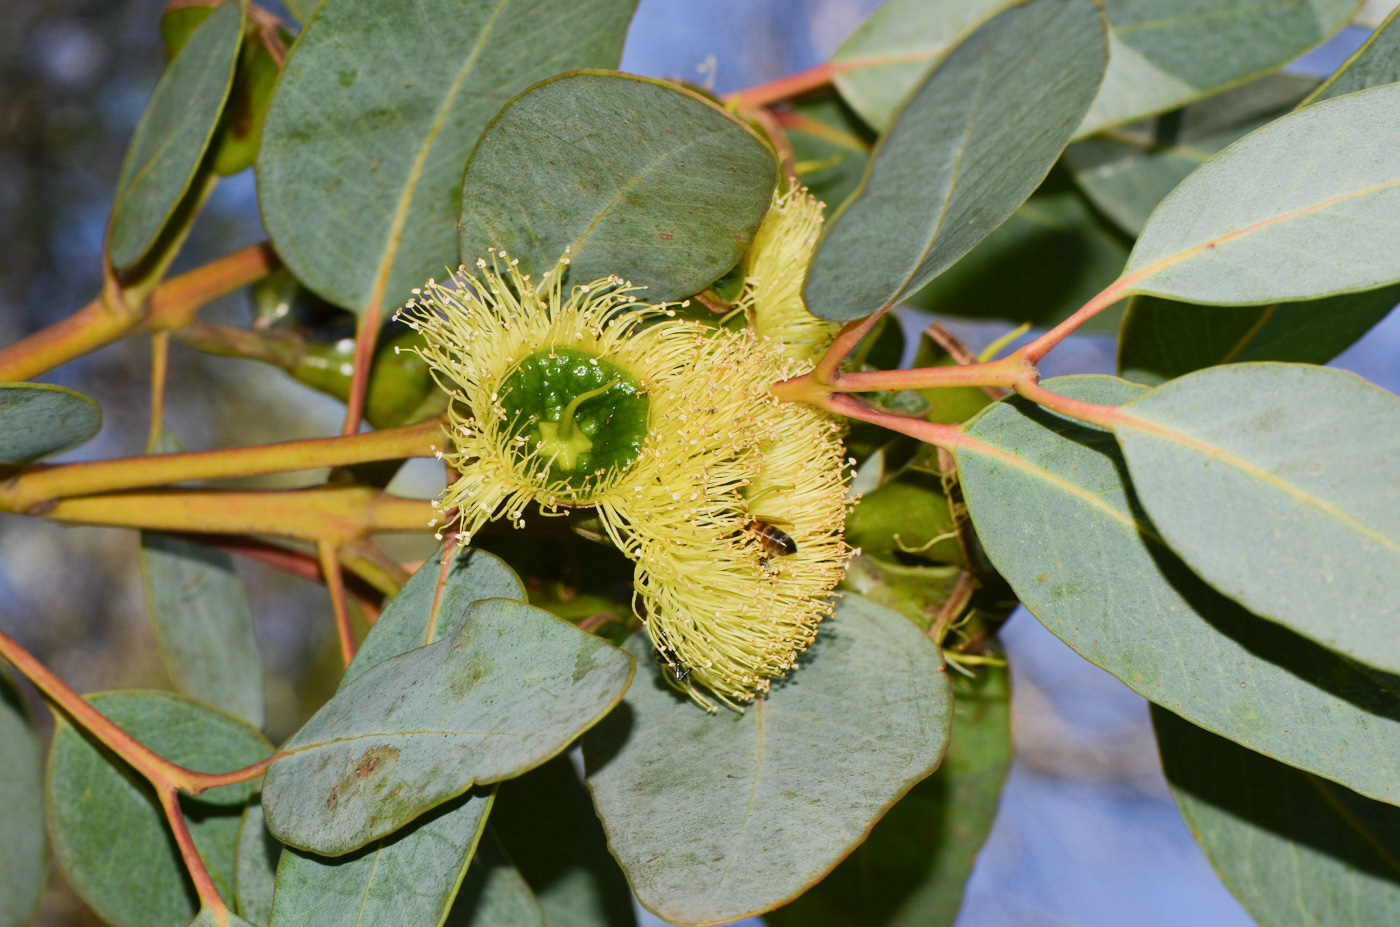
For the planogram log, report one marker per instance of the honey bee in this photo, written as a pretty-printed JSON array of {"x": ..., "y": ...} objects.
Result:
[
  {"x": 668, "y": 658},
  {"x": 772, "y": 540}
]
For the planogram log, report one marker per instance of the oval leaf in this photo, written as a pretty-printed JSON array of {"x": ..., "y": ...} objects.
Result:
[
  {"x": 37, "y": 420},
  {"x": 1158, "y": 50},
  {"x": 171, "y": 138},
  {"x": 667, "y": 195},
  {"x": 1052, "y": 507},
  {"x": 893, "y": 49},
  {"x": 1162, "y": 339},
  {"x": 376, "y": 111},
  {"x": 1163, "y": 53},
  {"x": 967, "y": 148},
  {"x": 203, "y": 626},
  {"x": 22, "y": 797},
  {"x": 434, "y": 851},
  {"x": 423, "y": 727},
  {"x": 1276, "y": 483},
  {"x": 715, "y": 817},
  {"x": 911, "y": 870},
  {"x": 1302, "y": 208},
  {"x": 1294, "y": 849},
  {"x": 432, "y": 606},
  {"x": 368, "y": 888},
  {"x": 96, "y": 807}
]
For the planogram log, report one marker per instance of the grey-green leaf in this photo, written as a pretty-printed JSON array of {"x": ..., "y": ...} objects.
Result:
[
  {"x": 173, "y": 134},
  {"x": 628, "y": 176},
  {"x": 1301, "y": 208},
  {"x": 109, "y": 834},
  {"x": 408, "y": 878},
  {"x": 1052, "y": 506},
  {"x": 510, "y": 689},
  {"x": 255, "y": 867},
  {"x": 715, "y": 817},
  {"x": 495, "y": 894},
  {"x": 911, "y": 870},
  {"x": 1128, "y": 172},
  {"x": 1162, "y": 339},
  {"x": 432, "y": 853},
  {"x": 419, "y": 614},
  {"x": 546, "y": 824},
  {"x": 203, "y": 626},
  {"x": 1295, "y": 850},
  {"x": 37, "y": 420},
  {"x": 22, "y": 824},
  {"x": 375, "y": 114},
  {"x": 1375, "y": 63},
  {"x": 967, "y": 148},
  {"x": 1163, "y": 53},
  {"x": 893, "y": 49},
  {"x": 1277, "y": 483}
]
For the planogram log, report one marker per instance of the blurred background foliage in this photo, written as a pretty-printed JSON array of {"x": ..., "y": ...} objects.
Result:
[{"x": 1087, "y": 833}]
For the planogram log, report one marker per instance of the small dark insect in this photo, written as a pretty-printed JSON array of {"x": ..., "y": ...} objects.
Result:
[
  {"x": 774, "y": 541},
  {"x": 667, "y": 658}
]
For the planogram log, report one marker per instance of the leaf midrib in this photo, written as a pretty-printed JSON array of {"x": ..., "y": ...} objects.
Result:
[{"x": 396, "y": 226}]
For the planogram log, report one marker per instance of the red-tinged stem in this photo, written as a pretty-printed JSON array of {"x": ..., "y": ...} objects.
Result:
[
  {"x": 176, "y": 301},
  {"x": 35, "y": 488},
  {"x": 209, "y": 898},
  {"x": 1035, "y": 352},
  {"x": 157, "y": 770},
  {"x": 844, "y": 343},
  {"x": 1006, "y": 373},
  {"x": 108, "y": 318},
  {"x": 935, "y": 433},
  {"x": 366, "y": 334},
  {"x": 299, "y": 563},
  {"x": 1091, "y": 413},
  {"x": 786, "y": 87},
  {"x": 335, "y": 583}
]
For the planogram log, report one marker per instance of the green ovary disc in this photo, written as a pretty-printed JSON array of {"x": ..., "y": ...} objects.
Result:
[{"x": 580, "y": 438}]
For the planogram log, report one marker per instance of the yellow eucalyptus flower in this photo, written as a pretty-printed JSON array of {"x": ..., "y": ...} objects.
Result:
[
  {"x": 775, "y": 270},
  {"x": 668, "y": 429}
]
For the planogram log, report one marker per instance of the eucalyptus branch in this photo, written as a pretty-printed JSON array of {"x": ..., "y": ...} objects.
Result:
[
  {"x": 372, "y": 574},
  {"x": 338, "y": 514},
  {"x": 366, "y": 336},
  {"x": 208, "y": 893},
  {"x": 32, "y": 490},
  {"x": 279, "y": 348},
  {"x": 785, "y": 88},
  {"x": 826, "y": 384},
  {"x": 335, "y": 583},
  {"x": 154, "y": 768},
  {"x": 109, "y": 317}
]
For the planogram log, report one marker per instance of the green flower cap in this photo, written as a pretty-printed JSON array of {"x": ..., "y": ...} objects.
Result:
[{"x": 580, "y": 417}]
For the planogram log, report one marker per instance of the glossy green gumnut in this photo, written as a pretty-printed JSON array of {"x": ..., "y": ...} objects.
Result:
[{"x": 582, "y": 417}]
